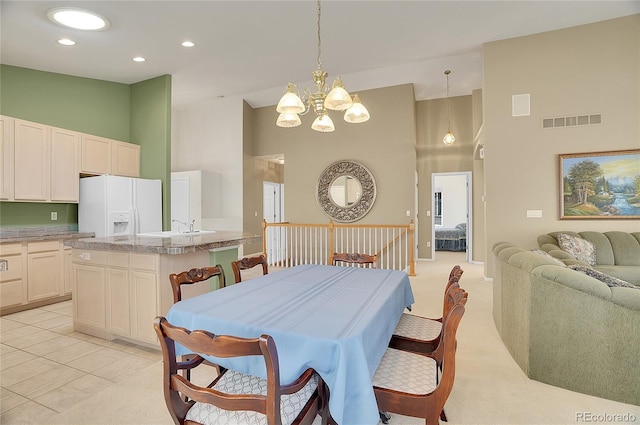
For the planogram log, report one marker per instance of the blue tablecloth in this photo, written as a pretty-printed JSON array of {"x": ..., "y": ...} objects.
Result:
[{"x": 336, "y": 320}]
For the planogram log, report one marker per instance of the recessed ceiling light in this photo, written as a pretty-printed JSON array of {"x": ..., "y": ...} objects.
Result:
[
  {"x": 188, "y": 44},
  {"x": 78, "y": 18},
  {"x": 66, "y": 42},
  {"x": 139, "y": 59}
]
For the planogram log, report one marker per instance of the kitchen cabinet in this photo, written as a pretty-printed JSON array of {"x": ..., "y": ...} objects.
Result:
[
  {"x": 89, "y": 307},
  {"x": 65, "y": 157},
  {"x": 6, "y": 157},
  {"x": 125, "y": 159},
  {"x": 32, "y": 161},
  {"x": 100, "y": 155},
  {"x": 37, "y": 273},
  {"x": 44, "y": 270},
  {"x": 13, "y": 275},
  {"x": 126, "y": 287},
  {"x": 95, "y": 154}
]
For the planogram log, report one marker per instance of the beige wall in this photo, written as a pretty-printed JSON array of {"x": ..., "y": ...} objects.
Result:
[
  {"x": 432, "y": 156},
  {"x": 385, "y": 145},
  {"x": 587, "y": 69}
]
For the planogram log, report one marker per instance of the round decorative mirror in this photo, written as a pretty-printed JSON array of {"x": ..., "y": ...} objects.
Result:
[{"x": 346, "y": 191}]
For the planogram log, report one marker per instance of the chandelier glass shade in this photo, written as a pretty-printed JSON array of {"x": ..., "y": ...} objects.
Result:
[
  {"x": 448, "y": 138},
  {"x": 324, "y": 98}
]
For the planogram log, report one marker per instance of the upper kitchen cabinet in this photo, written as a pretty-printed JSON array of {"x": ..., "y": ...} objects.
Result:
[
  {"x": 100, "y": 155},
  {"x": 65, "y": 157},
  {"x": 6, "y": 158},
  {"x": 125, "y": 159},
  {"x": 95, "y": 155},
  {"x": 32, "y": 161}
]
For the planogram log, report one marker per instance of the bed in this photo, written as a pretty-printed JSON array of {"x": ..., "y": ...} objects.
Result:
[{"x": 451, "y": 238}]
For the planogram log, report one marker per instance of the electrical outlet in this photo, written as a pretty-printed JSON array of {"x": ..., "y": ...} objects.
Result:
[
  {"x": 54, "y": 215},
  {"x": 4, "y": 265},
  {"x": 428, "y": 244}
]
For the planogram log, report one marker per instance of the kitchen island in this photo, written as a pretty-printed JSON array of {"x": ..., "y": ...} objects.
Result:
[{"x": 121, "y": 283}]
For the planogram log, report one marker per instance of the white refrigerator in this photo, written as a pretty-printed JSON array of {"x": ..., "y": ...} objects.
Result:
[{"x": 115, "y": 206}]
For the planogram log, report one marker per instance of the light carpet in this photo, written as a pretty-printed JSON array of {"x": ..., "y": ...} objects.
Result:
[{"x": 489, "y": 387}]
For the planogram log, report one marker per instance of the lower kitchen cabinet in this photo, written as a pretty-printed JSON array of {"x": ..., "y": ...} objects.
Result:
[
  {"x": 13, "y": 275},
  {"x": 33, "y": 274},
  {"x": 45, "y": 270},
  {"x": 89, "y": 296},
  {"x": 125, "y": 301}
]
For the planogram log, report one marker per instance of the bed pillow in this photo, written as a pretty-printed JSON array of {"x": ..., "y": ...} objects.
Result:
[
  {"x": 580, "y": 248},
  {"x": 549, "y": 256},
  {"x": 602, "y": 277}
]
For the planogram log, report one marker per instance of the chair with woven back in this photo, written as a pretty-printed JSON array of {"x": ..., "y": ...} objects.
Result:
[
  {"x": 233, "y": 397},
  {"x": 411, "y": 384},
  {"x": 342, "y": 258},
  {"x": 247, "y": 263}
]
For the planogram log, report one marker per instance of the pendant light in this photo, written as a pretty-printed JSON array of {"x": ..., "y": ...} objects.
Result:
[{"x": 448, "y": 138}]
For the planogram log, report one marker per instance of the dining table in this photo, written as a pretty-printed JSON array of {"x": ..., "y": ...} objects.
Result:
[{"x": 336, "y": 320}]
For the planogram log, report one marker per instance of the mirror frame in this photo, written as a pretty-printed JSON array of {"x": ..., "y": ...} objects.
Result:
[{"x": 353, "y": 212}]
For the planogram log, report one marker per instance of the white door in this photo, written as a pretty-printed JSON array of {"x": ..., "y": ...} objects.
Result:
[{"x": 272, "y": 201}]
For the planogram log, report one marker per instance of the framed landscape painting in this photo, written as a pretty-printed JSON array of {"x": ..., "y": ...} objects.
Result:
[{"x": 600, "y": 185}]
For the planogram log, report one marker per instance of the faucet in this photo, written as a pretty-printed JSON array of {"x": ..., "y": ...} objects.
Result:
[{"x": 190, "y": 226}]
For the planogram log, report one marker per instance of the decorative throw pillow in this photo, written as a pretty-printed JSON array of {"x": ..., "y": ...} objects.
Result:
[
  {"x": 580, "y": 248},
  {"x": 602, "y": 277},
  {"x": 549, "y": 256}
]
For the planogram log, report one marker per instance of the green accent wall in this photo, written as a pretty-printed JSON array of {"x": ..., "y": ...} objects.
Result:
[
  {"x": 138, "y": 113},
  {"x": 97, "y": 107},
  {"x": 151, "y": 129},
  {"x": 33, "y": 214}
]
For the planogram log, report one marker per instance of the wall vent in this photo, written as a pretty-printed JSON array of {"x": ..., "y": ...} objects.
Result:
[{"x": 572, "y": 121}]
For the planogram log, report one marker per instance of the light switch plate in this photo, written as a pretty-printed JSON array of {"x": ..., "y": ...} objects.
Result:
[
  {"x": 54, "y": 215},
  {"x": 534, "y": 213}
]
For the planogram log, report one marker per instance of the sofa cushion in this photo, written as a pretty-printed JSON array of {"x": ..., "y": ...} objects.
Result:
[
  {"x": 626, "y": 249},
  {"x": 602, "y": 277},
  {"x": 604, "y": 250},
  {"x": 629, "y": 274},
  {"x": 580, "y": 248},
  {"x": 549, "y": 256}
]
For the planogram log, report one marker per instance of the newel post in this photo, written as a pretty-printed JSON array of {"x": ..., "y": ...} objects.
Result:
[
  {"x": 264, "y": 237},
  {"x": 332, "y": 228},
  {"x": 412, "y": 251}
]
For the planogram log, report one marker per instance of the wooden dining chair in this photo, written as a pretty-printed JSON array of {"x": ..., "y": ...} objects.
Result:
[
  {"x": 353, "y": 258},
  {"x": 233, "y": 397},
  {"x": 422, "y": 334},
  {"x": 248, "y": 263},
  {"x": 192, "y": 276},
  {"x": 419, "y": 385}
]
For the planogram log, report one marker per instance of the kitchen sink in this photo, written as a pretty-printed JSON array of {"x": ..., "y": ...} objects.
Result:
[{"x": 170, "y": 233}]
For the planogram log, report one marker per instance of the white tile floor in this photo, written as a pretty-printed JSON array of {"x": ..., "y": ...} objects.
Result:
[{"x": 69, "y": 366}]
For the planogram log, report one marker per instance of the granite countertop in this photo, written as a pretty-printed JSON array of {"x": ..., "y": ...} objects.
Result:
[
  {"x": 173, "y": 245},
  {"x": 34, "y": 234}
]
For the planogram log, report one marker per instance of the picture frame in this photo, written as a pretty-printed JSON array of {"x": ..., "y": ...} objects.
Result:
[{"x": 600, "y": 185}]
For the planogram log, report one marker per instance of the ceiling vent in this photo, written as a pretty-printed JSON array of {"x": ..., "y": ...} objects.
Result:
[{"x": 571, "y": 121}]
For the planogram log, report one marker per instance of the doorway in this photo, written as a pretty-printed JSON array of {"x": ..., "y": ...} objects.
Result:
[
  {"x": 452, "y": 227},
  {"x": 273, "y": 212}
]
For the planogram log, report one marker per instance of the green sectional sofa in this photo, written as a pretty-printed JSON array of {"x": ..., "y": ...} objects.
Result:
[
  {"x": 565, "y": 328},
  {"x": 617, "y": 253}
]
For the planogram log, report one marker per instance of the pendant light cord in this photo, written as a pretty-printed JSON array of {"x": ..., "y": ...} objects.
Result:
[
  {"x": 447, "y": 72},
  {"x": 319, "y": 41}
]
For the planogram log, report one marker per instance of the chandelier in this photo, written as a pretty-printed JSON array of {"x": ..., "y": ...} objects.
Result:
[
  {"x": 448, "y": 138},
  {"x": 336, "y": 98}
]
